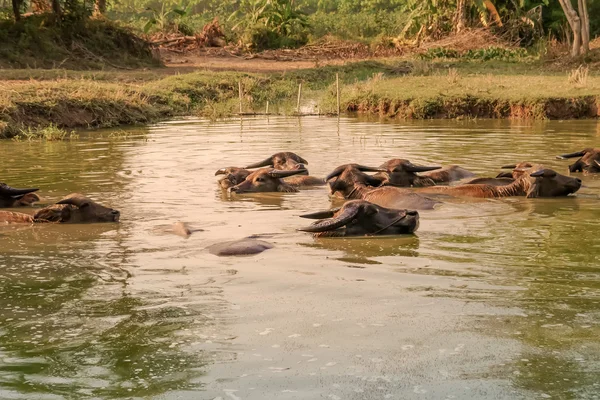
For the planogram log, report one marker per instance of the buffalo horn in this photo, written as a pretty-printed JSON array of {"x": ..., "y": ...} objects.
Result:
[
  {"x": 221, "y": 171},
  {"x": 264, "y": 163},
  {"x": 6, "y": 190},
  {"x": 504, "y": 175},
  {"x": 572, "y": 155},
  {"x": 332, "y": 223},
  {"x": 300, "y": 160},
  {"x": 321, "y": 214},
  {"x": 597, "y": 163},
  {"x": 512, "y": 166},
  {"x": 277, "y": 173},
  {"x": 363, "y": 168},
  {"x": 410, "y": 167},
  {"x": 74, "y": 199},
  {"x": 543, "y": 172}
]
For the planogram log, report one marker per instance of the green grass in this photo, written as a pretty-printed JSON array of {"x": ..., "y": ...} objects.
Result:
[
  {"x": 69, "y": 99},
  {"x": 40, "y": 41}
]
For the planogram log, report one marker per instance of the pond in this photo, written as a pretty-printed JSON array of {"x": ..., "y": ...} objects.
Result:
[{"x": 490, "y": 299}]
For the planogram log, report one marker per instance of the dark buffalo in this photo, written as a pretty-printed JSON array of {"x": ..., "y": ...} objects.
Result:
[
  {"x": 233, "y": 176},
  {"x": 284, "y": 161},
  {"x": 362, "y": 218},
  {"x": 75, "y": 208},
  {"x": 11, "y": 197},
  {"x": 589, "y": 161},
  {"x": 266, "y": 180},
  {"x": 352, "y": 183},
  {"x": 533, "y": 183},
  {"x": 403, "y": 173}
]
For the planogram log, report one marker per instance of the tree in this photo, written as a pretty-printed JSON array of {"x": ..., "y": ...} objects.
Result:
[
  {"x": 16, "y": 5},
  {"x": 579, "y": 22}
]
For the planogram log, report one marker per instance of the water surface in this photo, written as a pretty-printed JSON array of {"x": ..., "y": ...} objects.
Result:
[{"x": 495, "y": 299}]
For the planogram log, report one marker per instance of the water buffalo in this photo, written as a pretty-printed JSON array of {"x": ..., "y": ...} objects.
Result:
[
  {"x": 362, "y": 218},
  {"x": 233, "y": 176},
  {"x": 352, "y": 183},
  {"x": 266, "y": 180},
  {"x": 403, "y": 173},
  {"x": 11, "y": 197},
  {"x": 242, "y": 247},
  {"x": 75, "y": 208},
  {"x": 589, "y": 160},
  {"x": 533, "y": 183},
  {"x": 284, "y": 161}
]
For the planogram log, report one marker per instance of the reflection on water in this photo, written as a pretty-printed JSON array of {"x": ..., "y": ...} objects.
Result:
[{"x": 490, "y": 298}]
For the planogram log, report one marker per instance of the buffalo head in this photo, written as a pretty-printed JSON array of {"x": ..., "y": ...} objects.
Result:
[
  {"x": 266, "y": 180},
  {"x": 362, "y": 218},
  {"x": 589, "y": 160},
  {"x": 286, "y": 161},
  {"x": 348, "y": 175},
  {"x": 233, "y": 176},
  {"x": 11, "y": 197},
  {"x": 549, "y": 183},
  {"x": 76, "y": 208},
  {"x": 400, "y": 172}
]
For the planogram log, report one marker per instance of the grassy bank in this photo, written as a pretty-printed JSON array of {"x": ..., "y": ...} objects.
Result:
[{"x": 69, "y": 100}]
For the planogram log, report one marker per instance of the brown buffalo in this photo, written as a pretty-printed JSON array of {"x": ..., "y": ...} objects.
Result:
[
  {"x": 233, "y": 176},
  {"x": 352, "y": 183},
  {"x": 75, "y": 208},
  {"x": 362, "y": 218},
  {"x": 589, "y": 161},
  {"x": 533, "y": 183},
  {"x": 266, "y": 180},
  {"x": 284, "y": 161},
  {"x": 11, "y": 197},
  {"x": 403, "y": 173}
]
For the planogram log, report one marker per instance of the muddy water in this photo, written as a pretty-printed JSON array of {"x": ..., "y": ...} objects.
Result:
[{"x": 495, "y": 299}]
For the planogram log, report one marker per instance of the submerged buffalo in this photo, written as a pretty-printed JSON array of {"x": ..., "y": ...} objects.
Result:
[
  {"x": 402, "y": 173},
  {"x": 362, "y": 218},
  {"x": 11, "y": 197},
  {"x": 233, "y": 176},
  {"x": 75, "y": 208},
  {"x": 266, "y": 180},
  {"x": 284, "y": 161},
  {"x": 288, "y": 161},
  {"x": 352, "y": 183},
  {"x": 532, "y": 183},
  {"x": 589, "y": 161}
]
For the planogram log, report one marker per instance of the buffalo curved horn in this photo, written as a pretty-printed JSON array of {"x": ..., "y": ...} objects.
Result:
[
  {"x": 548, "y": 173},
  {"x": 511, "y": 166},
  {"x": 504, "y": 175},
  {"x": 410, "y": 167},
  {"x": 221, "y": 171},
  {"x": 264, "y": 163},
  {"x": 6, "y": 190},
  {"x": 597, "y": 163},
  {"x": 277, "y": 173},
  {"x": 362, "y": 168},
  {"x": 572, "y": 155},
  {"x": 333, "y": 223},
  {"x": 299, "y": 159},
  {"x": 321, "y": 214},
  {"x": 75, "y": 199}
]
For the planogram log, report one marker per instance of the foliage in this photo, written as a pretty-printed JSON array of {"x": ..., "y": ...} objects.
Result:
[
  {"x": 489, "y": 53},
  {"x": 268, "y": 24},
  {"x": 167, "y": 19},
  {"x": 40, "y": 41}
]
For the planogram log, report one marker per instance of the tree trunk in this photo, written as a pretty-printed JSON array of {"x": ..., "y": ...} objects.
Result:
[
  {"x": 585, "y": 25},
  {"x": 16, "y": 5},
  {"x": 56, "y": 7},
  {"x": 575, "y": 24},
  {"x": 99, "y": 7},
  {"x": 461, "y": 16}
]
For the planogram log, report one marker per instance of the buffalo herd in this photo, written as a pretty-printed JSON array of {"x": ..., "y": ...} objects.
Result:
[{"x": 381, "y": 200}]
